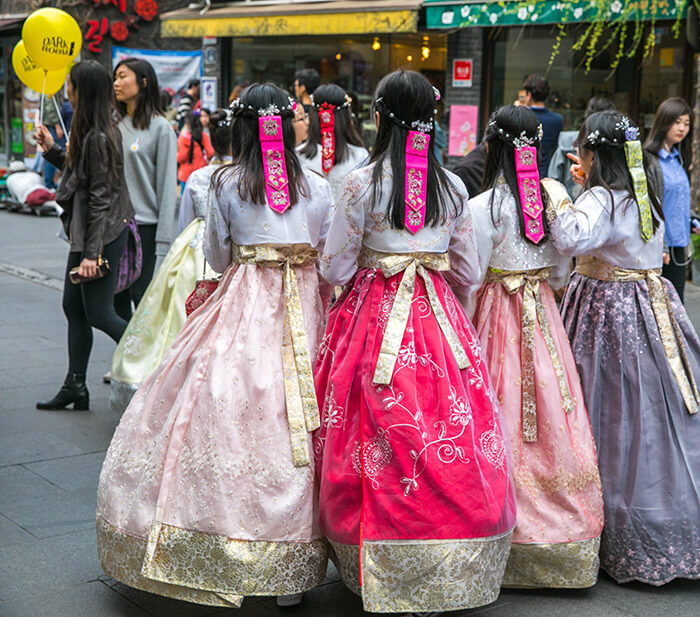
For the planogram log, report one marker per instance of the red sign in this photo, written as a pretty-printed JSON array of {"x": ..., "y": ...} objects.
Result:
[{"x": 462, "y": 73}]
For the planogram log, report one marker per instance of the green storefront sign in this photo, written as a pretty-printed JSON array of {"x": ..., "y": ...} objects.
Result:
[{"x": 446, "y": 14}]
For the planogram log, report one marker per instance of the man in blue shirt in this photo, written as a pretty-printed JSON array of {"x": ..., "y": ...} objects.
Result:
[{"x": 536, "y": 92}]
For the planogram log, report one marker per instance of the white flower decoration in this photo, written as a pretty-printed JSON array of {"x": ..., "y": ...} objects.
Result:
[
  {"x": 465, "y": 10},
  {"x": 493, "y": 18},
  {"x": 522, "y": 13},
  {"x": 616, "y": 6},
  {"x": 578, "y": 12}
]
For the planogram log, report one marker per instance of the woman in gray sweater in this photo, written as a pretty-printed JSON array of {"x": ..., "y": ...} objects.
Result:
[{"x": 150, "y": 167}]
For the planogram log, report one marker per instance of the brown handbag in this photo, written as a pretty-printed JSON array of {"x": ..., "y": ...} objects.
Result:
[{"x": 102, "y": 270}]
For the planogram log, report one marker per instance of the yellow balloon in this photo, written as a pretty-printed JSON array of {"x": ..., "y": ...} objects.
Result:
[
  {"x": 32, "y": 76},
  {"x": 52, "y": 38}
]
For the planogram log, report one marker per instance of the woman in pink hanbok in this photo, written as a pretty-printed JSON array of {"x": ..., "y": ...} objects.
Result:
[
  {"x": 532, "y": 368},
  {"x": 207, "y": 493},
  {"x": 415, "y": 492}
]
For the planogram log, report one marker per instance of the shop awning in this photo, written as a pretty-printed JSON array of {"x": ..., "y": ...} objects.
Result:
[
  {"x": 11, "y": 22},
  {"x": 295, "y": 18},
  {"x": 456, "y": 14}
]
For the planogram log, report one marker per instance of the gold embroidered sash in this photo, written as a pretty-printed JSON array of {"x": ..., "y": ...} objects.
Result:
[
  {"x": 412, "y": 265},
  {"x": 532, "y": 312},
  {"x": 302, "y": 406},
  {"x": 669, "y": 330}
]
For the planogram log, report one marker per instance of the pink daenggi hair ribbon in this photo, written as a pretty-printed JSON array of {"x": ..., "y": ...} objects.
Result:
[
  {"x": 417, "y": 145},
  {"x": 528, "y": 178},
  {"x": 274, "y": 166}
]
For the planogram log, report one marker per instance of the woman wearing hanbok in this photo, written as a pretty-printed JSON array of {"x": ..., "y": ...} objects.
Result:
[
  {"x": 161, "y": 312},
  {"x": 207, "y": 492},
  {"x": 560, "y": 504},
  {"x": 334, "y": 147},
  {"x": 638, "y": 357},
  {"x": 415, "y": 491}
]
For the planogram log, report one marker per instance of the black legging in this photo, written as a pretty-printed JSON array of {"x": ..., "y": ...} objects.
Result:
[
  {"x": 123, "y": 301},
  {"x": 91, "y": 305},
  {"x": 675, "y": 272}
]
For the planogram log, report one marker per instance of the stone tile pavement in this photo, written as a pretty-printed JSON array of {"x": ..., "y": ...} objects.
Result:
[{"x": 50, "y": 462}]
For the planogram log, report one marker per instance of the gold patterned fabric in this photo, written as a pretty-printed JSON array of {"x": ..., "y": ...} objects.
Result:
[
  {"x": 669, "y": 330},
  {"x": 569, "y": 565},
  {"x": 532, "y": 313},
  {"x": 635, "y": 164},
  {"x": 402, "y": 576},
  {"x": 412, "y": 265},
  {"x": 302, "y": 406},
  {"x": 198, "y": 566}
]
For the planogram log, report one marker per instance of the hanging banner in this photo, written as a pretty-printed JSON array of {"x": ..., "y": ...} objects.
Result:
[
  {"x": 463, "y": 123},
  {"x": 173, "y": 68}
]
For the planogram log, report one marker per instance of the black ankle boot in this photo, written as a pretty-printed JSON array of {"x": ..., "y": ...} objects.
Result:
[{"x": 73, "y": 391}]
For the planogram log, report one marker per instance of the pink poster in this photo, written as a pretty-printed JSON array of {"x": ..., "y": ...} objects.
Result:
[{"x": 463, "y": 124}]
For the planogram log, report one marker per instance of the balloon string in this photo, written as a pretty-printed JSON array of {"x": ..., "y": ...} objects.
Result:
[
  {"x": 60, "y": 117},
  {"x": 41, "y": 106}
]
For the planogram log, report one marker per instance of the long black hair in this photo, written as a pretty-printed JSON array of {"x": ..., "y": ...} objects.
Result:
[
  {"x": 344, "y": 128},
  {"x": 508, "y": 123},
  {"x": 603, "y": 133},
  {"x": 409, "y": 96},
  {"x": 220, "y": 131},
  {"x": 246, "y": 150},
  {"x": 148, "y": 102},
  {"x": 194, "y": 120},
  {"x": 94, "y": 112},
  {"x": 666, "y": 115}
]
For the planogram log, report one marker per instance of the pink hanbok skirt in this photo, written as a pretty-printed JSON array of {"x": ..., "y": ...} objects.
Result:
[
  {"x": 415, "y": 491},
  {"x": 199, "y": 498},
  {"x": 559, "y": 495}
]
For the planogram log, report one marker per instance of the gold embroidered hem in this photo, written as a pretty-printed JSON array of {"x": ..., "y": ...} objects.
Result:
[
  {"x": 533, "y": 312},
  {"x": 403, "y": 576},
  {"x": 208, "y": 568},
  {"x": 302, "y": 407},
  {"x": 412, "y": 265},
  {"x": 569, "y": 565},
  {"x": 669, "y": 330}
]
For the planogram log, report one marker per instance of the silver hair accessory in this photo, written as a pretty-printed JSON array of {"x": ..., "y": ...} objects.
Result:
[
  {"x": 422, "y": 126},
  {"x": 270, "y": 110},
  {"x": 518, "y": 141},
  {"x": 438, "y": 96},
  {"x": 624, "y": 126},
  {"x": 347, "y": 103},
  {"x": 226, "y": 120}
]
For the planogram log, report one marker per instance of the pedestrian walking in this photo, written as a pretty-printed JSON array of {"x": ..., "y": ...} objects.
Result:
[
  {"x": 536, "y": 90},
  {"x": 414, "y": 474},
  {"x": 638, "y": 357},
  {"x": 194, "y": 147},
  {"x": 207, "y": 493},
  {"x": 670, "y": 143},
  {"x": 534, "y": 376},
  {"x": 150, "y": 163},
  {"x": 305, "y": 83},
  {"x": 97, "y": 209},
  {"x": 188, "y": 102},
  {"x": 334, "y": 147},
  {"x": 161, "y": 312}
]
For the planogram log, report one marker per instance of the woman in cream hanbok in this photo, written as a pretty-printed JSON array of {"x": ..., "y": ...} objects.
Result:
[
  {"x": 161, "y": 312},
  {"x": 638, "y": 356},
  {"x": 207, "y": 493},
  {"x": 559, "y": 496}
]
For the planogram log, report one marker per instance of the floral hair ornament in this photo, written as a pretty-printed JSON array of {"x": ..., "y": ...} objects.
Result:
[
  {"x": 635, "y": 164},
  {"x": 528, "y": 179},
  {"x": 274, "y": 166},
  {"x": 326, "y": 118},
  {"x": 417, "y": 147}
]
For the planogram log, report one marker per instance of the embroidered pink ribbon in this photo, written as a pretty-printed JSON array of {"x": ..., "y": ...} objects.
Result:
[
  {"x": 326, "y": 118},
  {"x": 274, "y": 166},
  {"x": 417, "y": 145},
  {"x": 528, "y": 178}
]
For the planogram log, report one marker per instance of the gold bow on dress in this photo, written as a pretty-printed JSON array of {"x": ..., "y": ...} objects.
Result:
[
  {"x": 302, "y": 406},
  {"x": 669, "y": 330},
  {"x": 532, "y": 312},
  {"x": 412, "y": 265}
]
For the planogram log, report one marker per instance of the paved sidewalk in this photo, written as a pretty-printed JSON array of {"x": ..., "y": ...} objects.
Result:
[{"x": 50, "y": 462}]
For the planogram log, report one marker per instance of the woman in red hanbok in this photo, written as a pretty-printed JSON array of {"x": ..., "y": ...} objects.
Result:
[{"x": 415, "y": 490}]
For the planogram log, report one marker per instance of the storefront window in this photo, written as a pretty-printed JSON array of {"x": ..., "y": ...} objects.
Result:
[
  {"x": 518, "y": 52},
  {"x": 356, "y": 64}
]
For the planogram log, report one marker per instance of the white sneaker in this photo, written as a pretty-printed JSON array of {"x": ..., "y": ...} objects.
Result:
[
  {"x": 107, "y": 377},
  {"x": 290, "y": 600}
]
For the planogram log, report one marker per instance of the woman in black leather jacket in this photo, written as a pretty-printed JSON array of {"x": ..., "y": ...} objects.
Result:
[{"x": 96, "y": 207}]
